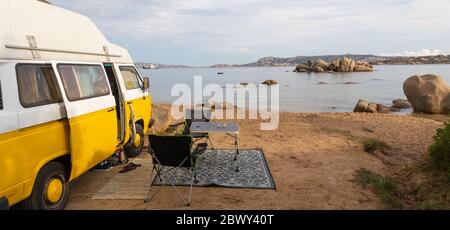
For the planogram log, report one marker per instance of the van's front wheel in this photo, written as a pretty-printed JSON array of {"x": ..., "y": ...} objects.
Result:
[
  {"x": 51, "y": 189},
  {"x": 134, "y": 147}
]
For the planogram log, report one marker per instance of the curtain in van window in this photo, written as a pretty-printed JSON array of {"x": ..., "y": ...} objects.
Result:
[
  {"x": 83, "y": 81},
  {"x": 37, "y": 85},
  {"x": 86, "y": 79}
]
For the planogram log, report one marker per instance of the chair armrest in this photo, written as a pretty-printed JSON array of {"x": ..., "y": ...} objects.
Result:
[{"x": 200, "y": 149}]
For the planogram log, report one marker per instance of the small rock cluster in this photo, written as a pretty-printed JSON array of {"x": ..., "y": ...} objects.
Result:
[
  {"x": 364, "y": 106},
  {"x": 338, "y": 65},
  {"x": 269, "y": 82}
]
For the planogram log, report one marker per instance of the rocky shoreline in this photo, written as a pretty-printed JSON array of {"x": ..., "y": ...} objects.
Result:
[
  {"x": 294, "y": 61},
  {"x": 338, "y": 65},
  {"x": 428, "y": 94}
]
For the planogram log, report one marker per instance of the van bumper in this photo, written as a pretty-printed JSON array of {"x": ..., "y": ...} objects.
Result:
[{"x": 4, "y": 204}]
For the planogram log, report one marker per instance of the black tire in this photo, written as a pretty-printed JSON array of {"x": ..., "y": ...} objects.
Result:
[
  {"x": 131, "y": 150},
  {"x": 38, "y": 200}
]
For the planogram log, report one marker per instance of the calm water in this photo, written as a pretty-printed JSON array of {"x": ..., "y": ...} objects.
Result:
[{"x": 299, "y": 92}]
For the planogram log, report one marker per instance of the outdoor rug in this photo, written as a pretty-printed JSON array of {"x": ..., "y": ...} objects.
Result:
[
  {"x": 128, "y": 186},
  {"x": 216, "y": 169}
]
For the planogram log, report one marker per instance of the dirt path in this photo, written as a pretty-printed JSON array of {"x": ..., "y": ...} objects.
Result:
[{"x": 313, "y": 159}]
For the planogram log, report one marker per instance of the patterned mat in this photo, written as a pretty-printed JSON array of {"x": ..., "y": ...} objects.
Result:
[{"x": 217, "y": 168}]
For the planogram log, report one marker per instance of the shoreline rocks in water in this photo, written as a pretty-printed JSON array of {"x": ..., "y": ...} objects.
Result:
[
  {"x": 372, "y": 107},
  {"x": 428, "y": 94},
  {"x": 401, "y": 104},
  {"x": 338, "y": 65},
  {"x": 269, "y": 82},
  {"x": 364, "y": 106},
  {"x": 361, "y": 106}
]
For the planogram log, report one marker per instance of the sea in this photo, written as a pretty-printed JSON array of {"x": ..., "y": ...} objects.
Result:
[{"x": 299, "y": 92}]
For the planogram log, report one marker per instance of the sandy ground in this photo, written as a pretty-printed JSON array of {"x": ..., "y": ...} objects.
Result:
[{"x": 313, "y": 158}]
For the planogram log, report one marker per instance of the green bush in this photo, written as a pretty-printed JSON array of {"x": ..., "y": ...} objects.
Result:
[
  {"x": 371, "y": 145},
  {"x": 440, "y": 150},
  {"x": 385, "y": 187}
]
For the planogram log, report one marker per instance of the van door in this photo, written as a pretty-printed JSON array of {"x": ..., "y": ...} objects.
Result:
[
  {"x": 138, "y": 100},
  {"x": 90, "y": 108},
  {"x": 118, "y": 96}
]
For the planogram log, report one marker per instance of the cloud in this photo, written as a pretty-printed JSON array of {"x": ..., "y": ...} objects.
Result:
[
  {"x": 235, "y": 31},
  {"x": 419, "y": 53}
]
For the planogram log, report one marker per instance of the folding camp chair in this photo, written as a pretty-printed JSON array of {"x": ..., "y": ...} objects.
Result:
[
  {"x": 170, "y": 154},
  {"x": 192, "y": 115}
]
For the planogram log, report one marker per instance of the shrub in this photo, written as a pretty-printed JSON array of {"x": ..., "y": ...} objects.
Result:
[
  {"x": 440, "y": 150},
  {"x": 385, "y": 187},
  {"x": 371, "y": 145}
]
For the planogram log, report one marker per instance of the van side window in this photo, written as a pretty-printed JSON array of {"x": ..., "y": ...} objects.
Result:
[
  {"x": 83, "y": 81},
  {"x": 37, "y": 85},
  {"x": 130, "y": 77}
]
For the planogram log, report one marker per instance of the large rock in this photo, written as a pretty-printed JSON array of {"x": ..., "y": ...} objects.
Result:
[
  {"x": 428, "y": 94},
  {"x": 320, "y": 64},
  {"x": 363, "y": 67},
  {"x": 401, "y": 104},
  {"x": 334, "y": 65},
  {"x": 338, "y": 65},
  {"x": 346, "y": 65},
  {"x": 361, "y": 106},
  {"x": 318, "y": 69},
  {"x": 301, "y": 68}
]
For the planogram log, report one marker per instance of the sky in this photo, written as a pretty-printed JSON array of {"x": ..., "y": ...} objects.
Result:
[{"x": 206, "y": 32}]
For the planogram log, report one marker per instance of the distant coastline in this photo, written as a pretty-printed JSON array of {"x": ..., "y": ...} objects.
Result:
[{"x": 294, "y": 61}]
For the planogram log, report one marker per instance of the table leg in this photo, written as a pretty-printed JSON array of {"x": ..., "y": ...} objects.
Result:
[{"x": 236, "y": 143}]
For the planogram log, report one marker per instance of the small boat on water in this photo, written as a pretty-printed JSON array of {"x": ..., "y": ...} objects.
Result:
[{"x": 220, "y": 73}]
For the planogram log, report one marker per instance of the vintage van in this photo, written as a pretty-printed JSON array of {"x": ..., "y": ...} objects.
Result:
[{"x": 68, "y": 100}]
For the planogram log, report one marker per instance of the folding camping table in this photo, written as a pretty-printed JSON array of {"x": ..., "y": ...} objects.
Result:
[{"x": 229, "y": 128}]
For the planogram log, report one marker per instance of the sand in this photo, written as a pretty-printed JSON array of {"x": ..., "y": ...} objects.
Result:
[{"x": 313, "y": 158}]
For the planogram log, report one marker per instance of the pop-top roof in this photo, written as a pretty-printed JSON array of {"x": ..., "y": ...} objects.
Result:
[{"x": 33, "y": 30}]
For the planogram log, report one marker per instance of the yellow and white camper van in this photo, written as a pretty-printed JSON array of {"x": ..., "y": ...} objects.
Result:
[{"x": 68, "y": 100}]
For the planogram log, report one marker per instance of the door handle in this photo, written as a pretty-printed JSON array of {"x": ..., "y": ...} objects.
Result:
[{"x": 110, "y": 110}]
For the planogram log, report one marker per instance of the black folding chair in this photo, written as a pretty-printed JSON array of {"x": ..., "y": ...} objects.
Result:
[
  {"x": 197, "y": 115},
  {"x": 170, "y": 154}
]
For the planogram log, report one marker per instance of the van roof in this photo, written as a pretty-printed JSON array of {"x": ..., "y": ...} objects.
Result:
[{"x": 33, "y": 30}]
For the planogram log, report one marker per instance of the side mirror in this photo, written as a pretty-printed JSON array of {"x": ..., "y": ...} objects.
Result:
[{"x": 146, "y": 83}]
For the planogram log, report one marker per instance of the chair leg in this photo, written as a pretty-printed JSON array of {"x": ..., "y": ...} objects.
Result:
[
  {"x": 210, "y": 142},
  {"x": 148, "y": 199},
  {"x": 158, "y": 170},
  {"x": 169, "y": 179},
  {"x": 175, "y": 188},
  {"x": 194, "y": 177},
  {"x": 150, "y": 186}
]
